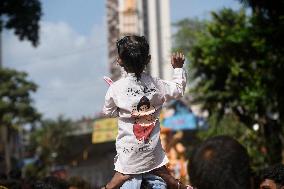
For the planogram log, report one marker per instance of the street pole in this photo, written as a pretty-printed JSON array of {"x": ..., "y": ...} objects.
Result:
[
  {"x": 1, "y": 49},
  {"x": 4, "y": 128}
]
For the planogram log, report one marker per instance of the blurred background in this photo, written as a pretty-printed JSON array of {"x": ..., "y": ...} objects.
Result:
[{"x": 54, "y": 55}]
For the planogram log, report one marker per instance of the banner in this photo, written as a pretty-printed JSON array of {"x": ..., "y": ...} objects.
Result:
[
  {"x": 180, "y": 122},
  {"x": 104, "y": 130},
  {"x": 179, "y": 117}
]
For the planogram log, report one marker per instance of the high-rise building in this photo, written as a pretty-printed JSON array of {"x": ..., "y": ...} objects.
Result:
[
  {"x": 150, "y": 18},
  {"x": 113, "y": 35}
]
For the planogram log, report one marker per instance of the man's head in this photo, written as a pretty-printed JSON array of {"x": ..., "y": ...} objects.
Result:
[
  {"x": 220, "y": 163},
  {"x": 272, "y": 177}
]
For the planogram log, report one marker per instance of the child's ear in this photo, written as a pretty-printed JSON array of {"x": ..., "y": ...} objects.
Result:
[{"x": 119, "y": 61}]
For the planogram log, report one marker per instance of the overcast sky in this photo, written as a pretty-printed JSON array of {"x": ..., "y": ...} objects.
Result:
[{"x": 71, "y": 59}]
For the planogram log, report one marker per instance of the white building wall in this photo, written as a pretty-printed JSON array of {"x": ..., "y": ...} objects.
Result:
[
  {"x": 140, "y": 17},
  {"x": 153, "y": 41},
  {"x": 120, "y": 9},
  {"x": 165, "y": 42}
]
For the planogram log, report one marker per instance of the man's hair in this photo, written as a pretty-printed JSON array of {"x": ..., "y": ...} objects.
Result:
[
  {"x": 134, "y": 52},
  {"x": 275, "y": 173},
  {"x": 220, "y": 163}
]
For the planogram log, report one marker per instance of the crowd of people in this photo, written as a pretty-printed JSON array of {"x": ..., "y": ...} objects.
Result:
[
  {"x": 217, "y": 163},
  {"x": 14, "y": 181},
  {"x": 221, "y": 162},
  {"x": 176, "y": 153}
]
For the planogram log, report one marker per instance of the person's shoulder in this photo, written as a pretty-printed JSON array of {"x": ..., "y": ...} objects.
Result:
[
  {"x": 118, "y": 83},
  {"x": 156, "y": 80},
  {"x": 149, "y": 76}
]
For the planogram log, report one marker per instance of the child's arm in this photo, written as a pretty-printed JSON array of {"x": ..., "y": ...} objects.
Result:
[
  {"x": 171, "y": 182},
  {"x": 110, "y": 109},
  {"x": 175, "y": 88}
]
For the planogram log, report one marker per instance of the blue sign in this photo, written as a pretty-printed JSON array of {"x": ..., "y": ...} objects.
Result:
[
  {"x": 180, "y": 122},
  {"x": 182, "y": 119}
]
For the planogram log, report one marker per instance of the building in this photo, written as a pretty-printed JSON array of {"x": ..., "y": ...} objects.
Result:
[
  {"x": 113, "y": 35},
  {"x": 141, "y": 17}
]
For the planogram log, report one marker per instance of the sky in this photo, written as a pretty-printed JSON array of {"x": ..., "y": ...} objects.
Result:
[{"x": 71, "y": 60}]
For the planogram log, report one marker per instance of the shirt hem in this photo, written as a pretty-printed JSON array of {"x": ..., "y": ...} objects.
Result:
[{"x": 129, "y": 173}]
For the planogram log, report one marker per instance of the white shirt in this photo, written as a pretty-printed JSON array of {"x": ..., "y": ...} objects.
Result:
[{"x": 137, "y": 105}]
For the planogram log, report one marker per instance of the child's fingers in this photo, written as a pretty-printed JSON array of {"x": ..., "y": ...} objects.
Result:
[
  {"x": 174, "y": 55},
  {"x": 177, "y": 56}
]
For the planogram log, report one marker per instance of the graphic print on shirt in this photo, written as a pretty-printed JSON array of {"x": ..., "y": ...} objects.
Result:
[
  {"x": 146, "y": 91},
  {"x": 145, "y": 120}
]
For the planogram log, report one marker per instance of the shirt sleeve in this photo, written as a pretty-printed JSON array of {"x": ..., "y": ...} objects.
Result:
[
  {"x": 110, "y": 109},
  {"x": 175, "y": 88}
]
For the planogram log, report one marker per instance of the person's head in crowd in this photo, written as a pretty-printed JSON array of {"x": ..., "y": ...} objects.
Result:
[
  {"x": 50, "y": 183},
  {"x": 78, "y": 183},
  {"x": 180, "y": 148},
  {"x": 272, "y": 177},
  {"x": 220, "y": 163}
]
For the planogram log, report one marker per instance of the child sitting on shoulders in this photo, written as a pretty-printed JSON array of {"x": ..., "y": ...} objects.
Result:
[{"x": 137, "y": 100}]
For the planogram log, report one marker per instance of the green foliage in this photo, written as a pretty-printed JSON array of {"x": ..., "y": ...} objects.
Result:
[
  {"x": 249, "y": 138},
  {"x": 222, "y": 64},
  {"x": 187, "y": 35},
  {"x": 16, "y": 104},
  {"x": 237, "y": 69},
  {"x": 49, "y": 141},
  {"x": 23, "y": 16}
]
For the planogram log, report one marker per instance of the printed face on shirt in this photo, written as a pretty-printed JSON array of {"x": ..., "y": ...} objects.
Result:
[
  {"x": 143, "y": 108},
  {"x": 145, "y": 119}
]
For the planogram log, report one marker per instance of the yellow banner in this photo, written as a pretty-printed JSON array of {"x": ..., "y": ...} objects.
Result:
[{"x": 104, "y": 130}]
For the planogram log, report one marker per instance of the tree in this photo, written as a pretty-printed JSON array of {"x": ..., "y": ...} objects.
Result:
[
  {"x": 237, "y": 72},
  {"x": 16, "y": 105},
  {"x": 268, "y": 24},
  {"x": 50, "y": 141},
  {"x": 268, "y": 16},
  {"x": 23, "y": 16},
  {"x": 231, "y": 126},
  {"x": 188, "y": 32}
]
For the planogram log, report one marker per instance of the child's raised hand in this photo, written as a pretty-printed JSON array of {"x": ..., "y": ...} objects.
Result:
[{"x": 177, "y": 60}]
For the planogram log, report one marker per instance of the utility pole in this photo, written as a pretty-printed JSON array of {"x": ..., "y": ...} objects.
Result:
[
  {"x": 4, "y": 128},
  {"x": 1, "y": 64}
]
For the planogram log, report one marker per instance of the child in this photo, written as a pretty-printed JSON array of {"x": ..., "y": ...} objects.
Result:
[{"x": 137, "y": 100}]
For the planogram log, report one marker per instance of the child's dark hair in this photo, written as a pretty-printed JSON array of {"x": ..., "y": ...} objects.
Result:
[{"x": 134, "y": 53}]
